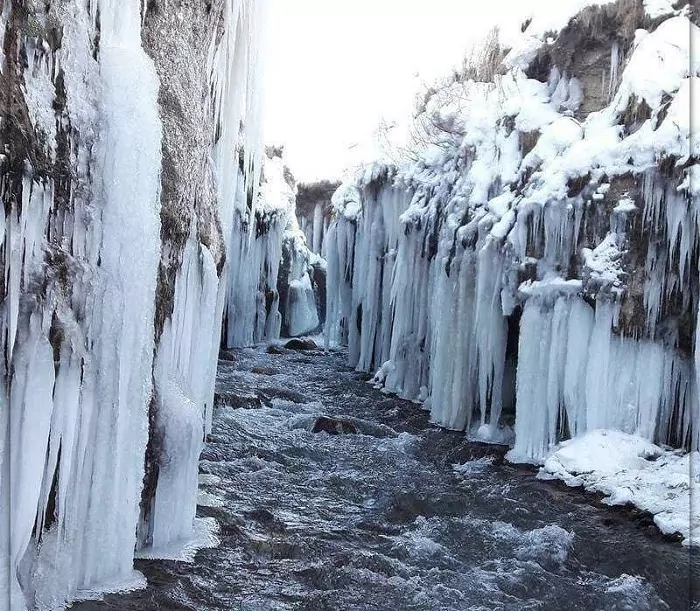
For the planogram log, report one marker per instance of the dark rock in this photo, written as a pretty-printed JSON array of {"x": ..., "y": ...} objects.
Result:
[
  {"x": 238, "y": 400},
  {"x": 333, "y": 426},
  {"x": 269, "y": 393},
  {"x": 301, "y": 344},
  {"x": 273, "y": 349},
  {"x": 264, "y": 371}
]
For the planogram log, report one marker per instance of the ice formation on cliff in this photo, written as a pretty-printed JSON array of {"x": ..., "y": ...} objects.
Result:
[
  {"x": 82, "y": 243},
  {"x": 270, "y": 289},
  {"x": 539, "y": 254}
]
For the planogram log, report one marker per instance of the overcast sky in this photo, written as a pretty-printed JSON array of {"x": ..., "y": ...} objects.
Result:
[{"x": 335, "y": 68}]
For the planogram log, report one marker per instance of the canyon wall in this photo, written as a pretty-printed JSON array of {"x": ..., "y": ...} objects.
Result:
[
  {"x": 530, "y": 271},
  {"x": 128, "y": 128}
]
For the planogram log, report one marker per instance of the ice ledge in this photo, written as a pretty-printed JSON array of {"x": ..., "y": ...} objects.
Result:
[
  {"x": 204, "y": 536},
  {"x": 629, "y": 469}
]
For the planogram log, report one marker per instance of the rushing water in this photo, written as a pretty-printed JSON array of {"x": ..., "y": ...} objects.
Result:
[{"x": 401, "y": 516}]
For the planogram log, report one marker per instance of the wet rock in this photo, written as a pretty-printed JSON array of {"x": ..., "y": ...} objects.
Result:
[
  {"x": 238, "y": 400},
  {"x": 264, "y": 371},
  {"x": 273, "y": 349},
  {"x": 333, "y": 426},
  {"x": 267, "y": 518},
  {"x": 267, "y": 394},
  {"x": 301, "y": 344}
]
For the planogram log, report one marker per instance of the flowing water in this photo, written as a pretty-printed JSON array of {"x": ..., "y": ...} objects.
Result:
[{"x": 400, "y": 516}]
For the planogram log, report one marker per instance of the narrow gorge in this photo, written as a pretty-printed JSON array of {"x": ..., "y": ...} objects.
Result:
[{"x": 510, "y": 297}]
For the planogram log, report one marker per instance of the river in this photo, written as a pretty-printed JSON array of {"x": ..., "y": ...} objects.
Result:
[{"x": 399, "y": 516}]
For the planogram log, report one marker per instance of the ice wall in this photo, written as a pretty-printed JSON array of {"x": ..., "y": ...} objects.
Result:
[
  {"x": 314, "y": 212},
  {"x": 271, "y": 291},
  {"x": 112, "y": 286},
  {"x": 534, "y": 265}
]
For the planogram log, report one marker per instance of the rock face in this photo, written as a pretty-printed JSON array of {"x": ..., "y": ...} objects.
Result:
[
  {"x": 118, "y": 177},
  {"x": 545, "y": 243}
]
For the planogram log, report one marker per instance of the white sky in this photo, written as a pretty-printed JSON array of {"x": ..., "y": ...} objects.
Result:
[{"x": 335, "y": 68}]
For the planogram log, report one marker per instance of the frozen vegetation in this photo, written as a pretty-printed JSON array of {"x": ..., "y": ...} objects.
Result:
[{"x": 529, "y": 272}]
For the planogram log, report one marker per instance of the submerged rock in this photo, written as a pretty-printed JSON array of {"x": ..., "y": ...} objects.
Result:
[
  {"x": 238, "y": 400},
  {"x": 264, "y": 371},
  {"x": 301, "y": 344},
  {"x": 333, "y": 426}
]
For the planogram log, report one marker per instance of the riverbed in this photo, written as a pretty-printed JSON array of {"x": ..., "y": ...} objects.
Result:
[{"x": 399, "y": 515}]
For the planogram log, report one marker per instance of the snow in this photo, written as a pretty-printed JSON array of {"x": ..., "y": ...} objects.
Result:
[
  {"x": 658, "y": 8},
  {"x": 628, "y": 469}
]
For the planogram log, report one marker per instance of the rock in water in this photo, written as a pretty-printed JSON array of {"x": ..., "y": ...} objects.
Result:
[
  {"x": 333, "y": 426},
  {"x": 301, "y": 344},
  {"x": 274, "y": 349}
]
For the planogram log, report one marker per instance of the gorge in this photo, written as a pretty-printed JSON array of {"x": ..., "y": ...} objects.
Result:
[{"x": 526, "y": 269}]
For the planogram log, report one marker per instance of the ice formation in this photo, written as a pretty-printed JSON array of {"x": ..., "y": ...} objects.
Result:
[
  {"x": 271, "y": 289},
  {"x": 314, "y": 212},
  {"x": 113, "y": 278},
  {"x": 536, "y": 257}
]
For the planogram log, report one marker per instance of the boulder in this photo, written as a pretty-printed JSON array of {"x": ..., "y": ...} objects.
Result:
[
  {"x": 333, "y": 426},
  {"x": 301, "y": 344}
]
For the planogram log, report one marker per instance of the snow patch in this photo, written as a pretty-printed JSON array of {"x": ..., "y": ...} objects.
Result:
[{"x": 629, "y": 469}]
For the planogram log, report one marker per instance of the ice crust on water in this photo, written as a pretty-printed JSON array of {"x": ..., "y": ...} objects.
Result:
[{"x": 426, "y": 259}]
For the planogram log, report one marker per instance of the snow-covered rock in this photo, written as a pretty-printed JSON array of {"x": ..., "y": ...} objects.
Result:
[
  {"x": 628, "y": 469},
  {"x": 536, "y": 258}
]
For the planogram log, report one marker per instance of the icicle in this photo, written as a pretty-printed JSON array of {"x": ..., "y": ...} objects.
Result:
[{"x": 614, "y": 69}]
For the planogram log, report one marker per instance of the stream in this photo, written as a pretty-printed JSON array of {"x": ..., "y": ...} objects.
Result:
[{"x": 399, "y": 516}]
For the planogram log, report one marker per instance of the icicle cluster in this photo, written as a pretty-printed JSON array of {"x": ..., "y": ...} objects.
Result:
[
  {"x": 84, "y": 404},
  {"x": 539, "y": 259},
  {"x": 270, "y": 289}
]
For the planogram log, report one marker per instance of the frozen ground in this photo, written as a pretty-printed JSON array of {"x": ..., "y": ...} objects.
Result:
[{"x": 400, "y": 516}]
